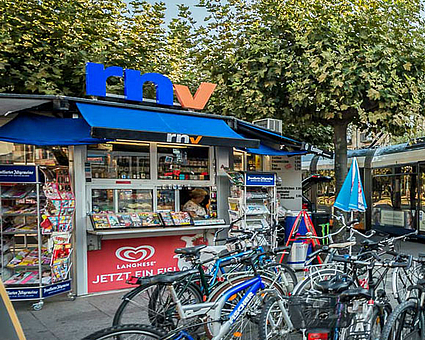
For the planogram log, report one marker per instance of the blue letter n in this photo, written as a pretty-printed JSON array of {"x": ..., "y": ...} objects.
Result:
[{"x": 96, "y": 76}]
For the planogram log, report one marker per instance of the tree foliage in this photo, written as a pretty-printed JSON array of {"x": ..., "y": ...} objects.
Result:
[
  {"x": 46, "y": 43},
  {"x": 327, "y": 62}
]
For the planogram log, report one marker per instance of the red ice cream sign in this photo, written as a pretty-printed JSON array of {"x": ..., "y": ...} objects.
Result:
[{"x": 118, "y": 260}]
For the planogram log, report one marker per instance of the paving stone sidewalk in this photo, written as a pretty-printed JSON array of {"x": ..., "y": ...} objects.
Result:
[{"x": 62, "y": 319}]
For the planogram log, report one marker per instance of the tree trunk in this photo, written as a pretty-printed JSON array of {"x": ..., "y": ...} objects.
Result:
[{"x": 340, "y": 144}]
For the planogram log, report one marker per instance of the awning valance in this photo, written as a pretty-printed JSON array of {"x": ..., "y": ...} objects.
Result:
[
  {"x": 268, "y": 151},
  {"x": 33, "y": 129},
  {"x": 135, "y": 124}
]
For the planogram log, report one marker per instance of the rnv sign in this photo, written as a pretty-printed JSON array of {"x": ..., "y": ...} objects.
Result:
[
  {"x": 97, "y": 75},
  {"x": 182, "y": 138}
]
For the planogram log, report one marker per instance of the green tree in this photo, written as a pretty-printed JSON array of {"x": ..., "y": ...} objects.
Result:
[
  {"x": 327, "y": 62},
  {"x": 46, "y": 43}
]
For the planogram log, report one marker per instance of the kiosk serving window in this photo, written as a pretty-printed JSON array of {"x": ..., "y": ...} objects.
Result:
[
  {"x": 183, "y": 163},
  {"x": 166, "y": 199}
]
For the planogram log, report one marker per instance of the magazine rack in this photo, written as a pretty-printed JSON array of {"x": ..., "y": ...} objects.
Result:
[
  {"x": 35, "y": 228},
  {"x": 253, "y": 199}
]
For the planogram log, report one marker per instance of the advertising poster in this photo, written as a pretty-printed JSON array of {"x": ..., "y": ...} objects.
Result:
[
  {"x": 118, "y": 260},
  {"x": 289, "y": 189}
]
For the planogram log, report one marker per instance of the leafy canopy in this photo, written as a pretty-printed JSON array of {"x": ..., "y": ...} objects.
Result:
[
  {"x": 46, "y": 43},
  {"x": 311, "y": 62}
]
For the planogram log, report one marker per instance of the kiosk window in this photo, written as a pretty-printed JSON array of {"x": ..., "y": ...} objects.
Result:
[
  {"x": 255, "y": 162},
  {"x": 183, "y": 163},
  {"x": 166, "y": 199},
  {"x": 102, "y": 200},
  {"x": 134, "y": 200},
  {"x": 123, "y": 161}
]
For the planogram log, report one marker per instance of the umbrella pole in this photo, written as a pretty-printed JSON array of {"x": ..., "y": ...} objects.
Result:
[{"x": 351, "y": 230}]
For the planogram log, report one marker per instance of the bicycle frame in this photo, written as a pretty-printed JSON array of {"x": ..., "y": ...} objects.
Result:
[{"x": 213, "y": 309}]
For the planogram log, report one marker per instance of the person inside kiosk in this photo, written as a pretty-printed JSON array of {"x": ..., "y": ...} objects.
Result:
[{"x": 195, "y": 205}]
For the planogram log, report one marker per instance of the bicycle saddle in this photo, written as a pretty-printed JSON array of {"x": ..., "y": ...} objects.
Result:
[
  {"x": 167, "y": 277},
  {"x": 355, "y": 293},
  {"x": 333, "y": 286},
  {"x": 194, "y": 251}
]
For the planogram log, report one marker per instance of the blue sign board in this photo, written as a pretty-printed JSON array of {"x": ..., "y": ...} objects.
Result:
[
  {"x": 23, "y": 293},
  {"x": 18, "y": 174},
  {"x": 258, "y": 179},
  {"x": 57, "y": 288}
]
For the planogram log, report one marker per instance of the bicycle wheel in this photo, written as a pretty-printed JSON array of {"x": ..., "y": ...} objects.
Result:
[
  {"x": 283, "y": 274},
  {"x": 402, "y": 278},
  {"x": 154, "y": 306},
  {"x": 308, "y": 284},
  {"x": 246, "y": 326},
  {"x": 405, "y": 323},
  {"x": 127, "y": 332},
  {"x": 272, "y": 323}
]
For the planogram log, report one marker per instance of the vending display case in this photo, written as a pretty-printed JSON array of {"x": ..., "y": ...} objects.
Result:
[{"x": 253, "y": 198}]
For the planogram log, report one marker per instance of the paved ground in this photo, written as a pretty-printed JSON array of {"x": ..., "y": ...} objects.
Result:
[{"x": 62, "y": 319}]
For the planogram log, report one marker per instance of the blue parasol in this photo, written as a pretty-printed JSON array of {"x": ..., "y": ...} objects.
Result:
[{"x": 351, "y": 196}]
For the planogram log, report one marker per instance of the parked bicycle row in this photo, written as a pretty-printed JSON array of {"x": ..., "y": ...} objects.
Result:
[{"x": 247, "y": 292}]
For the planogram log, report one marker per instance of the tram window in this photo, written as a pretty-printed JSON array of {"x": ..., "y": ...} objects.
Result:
[{"x": 394, "y": 197}]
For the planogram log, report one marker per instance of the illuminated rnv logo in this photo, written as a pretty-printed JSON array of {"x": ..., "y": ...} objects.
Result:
[{"x": 182, "y": 138}]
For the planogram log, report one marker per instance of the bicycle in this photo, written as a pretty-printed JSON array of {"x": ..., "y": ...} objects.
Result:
[
  {"x": 218, "y": 322},
  {"x": 152, "y": 304},
  {"x": 407, "y": 322}
]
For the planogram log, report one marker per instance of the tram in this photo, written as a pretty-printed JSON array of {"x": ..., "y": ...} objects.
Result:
[{"x": 393, "y": 179}]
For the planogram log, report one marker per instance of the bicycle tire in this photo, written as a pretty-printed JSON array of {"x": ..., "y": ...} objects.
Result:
[
  {"x": 271, "y": 317},
  {"x": 402, "y": 278},
  {"x": 143, "y": 305},
  {"x": 121, "y": 332},
  {"x": 406, "y": 311}
]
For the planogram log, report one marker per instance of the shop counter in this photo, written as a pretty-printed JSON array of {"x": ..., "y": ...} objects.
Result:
[{"x": 154, "y": 232}]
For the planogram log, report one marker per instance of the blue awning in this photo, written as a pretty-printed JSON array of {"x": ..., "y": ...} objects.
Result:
[
  {"x": 135, "y": 124},
  {"x": 41, "y": 130},
  {"x": 268, "y": 151},
  {"x": 254, "y": 129}
]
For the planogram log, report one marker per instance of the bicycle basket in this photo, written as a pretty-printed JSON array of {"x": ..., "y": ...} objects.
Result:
[{"x": 318, "y": 312}]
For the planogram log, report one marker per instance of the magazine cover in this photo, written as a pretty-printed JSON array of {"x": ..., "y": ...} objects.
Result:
[
  {"x": 181, "y": 218},
  {"x": 127, "y": 220},
  {"x": 167, "y": 219},
  {"x": 135, "y": 220},
  {"x": 113, "y": 221},
  {"x": 60, "y": 269},
  {"x": 150, "y": 219},
  {"x": 100, "y": 221}
]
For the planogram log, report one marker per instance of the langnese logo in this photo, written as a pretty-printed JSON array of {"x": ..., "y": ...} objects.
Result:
[{"x": 135, "y": 254}]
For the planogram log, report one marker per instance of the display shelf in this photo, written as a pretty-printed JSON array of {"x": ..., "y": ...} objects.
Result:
[
  {"x": 32, "y": 252},
  {"x": 253, "y": 200},
  {"x": 24, "y": 232},
  {"x": 151, "y": 232}
]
